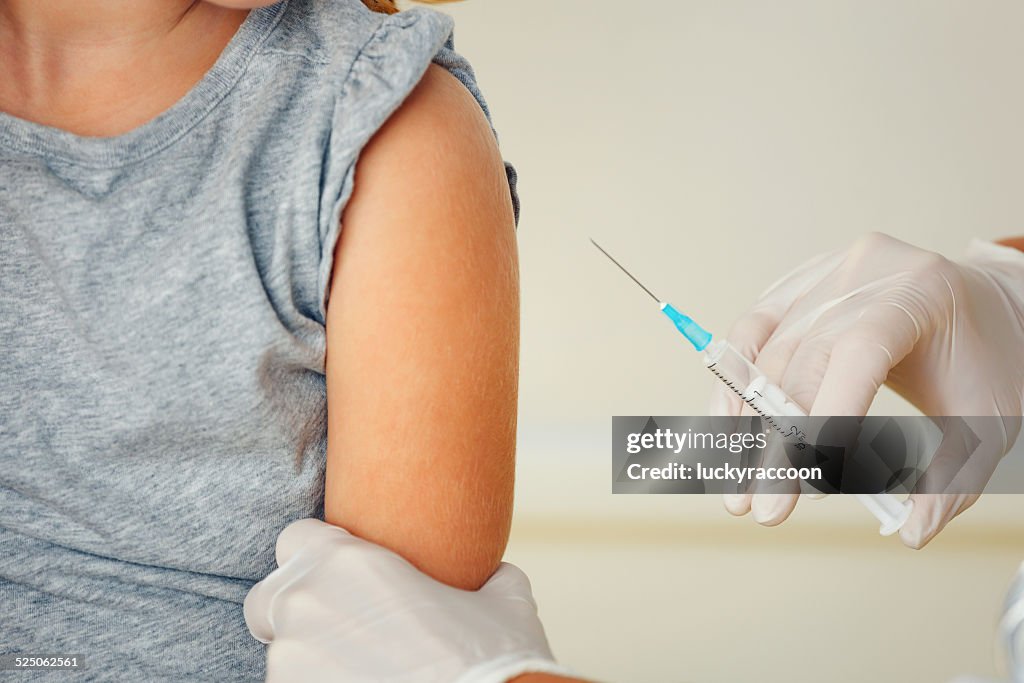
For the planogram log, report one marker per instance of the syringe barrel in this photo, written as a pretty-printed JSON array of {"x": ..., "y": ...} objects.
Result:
[{"x": 743, "y": 377}]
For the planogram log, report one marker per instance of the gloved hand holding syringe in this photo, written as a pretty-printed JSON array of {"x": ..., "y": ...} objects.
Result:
[{"x": 764, "y": 397}]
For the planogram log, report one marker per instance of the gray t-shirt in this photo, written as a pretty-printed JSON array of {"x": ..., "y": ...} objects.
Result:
[{"x": 162, "y": 298}]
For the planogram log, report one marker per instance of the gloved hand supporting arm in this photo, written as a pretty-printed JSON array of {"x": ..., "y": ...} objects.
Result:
[{"x": 339, "y": 608}]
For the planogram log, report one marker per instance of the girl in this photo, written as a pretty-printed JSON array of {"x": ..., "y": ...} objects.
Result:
[{"x": 242, "y": 255}]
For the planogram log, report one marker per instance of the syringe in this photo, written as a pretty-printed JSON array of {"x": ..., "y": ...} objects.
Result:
[{"x": 765, "y": 398}]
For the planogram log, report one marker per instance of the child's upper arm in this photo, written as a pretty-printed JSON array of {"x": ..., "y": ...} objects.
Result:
[{"x": 422, "y": 341}]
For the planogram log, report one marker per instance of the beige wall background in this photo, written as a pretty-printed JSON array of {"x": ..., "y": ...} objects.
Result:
[{"x": 712, "y": 146}]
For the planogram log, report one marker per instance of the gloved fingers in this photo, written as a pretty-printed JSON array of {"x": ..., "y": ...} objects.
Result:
[
  {"x": 931, "y": 513},
  {"x": 800, "y": 344},
  {"x": 509, "y": 581},
  {"x": 747, "y": 335},
  {"x": 966, "y": 458},
  {"x": 258, "y": 605},
  {"x": 805, "y": 277},
  {"x": 723, "y": 402},
  {"x": 255, "y": 609},
  {"x": 772, "y": 509},
  {"x": 961, "y": 457},
  {"x": 774, "y": 499},
  {"x": 303, "y": 531},
  {"x": 862, "y": 356},
  {"x": 928, "y": 517},
  {"x": 740, "y": 501},
  {"x": 959, "y": 470},
  {"x": 310, "y": 534},
  {"x": 737, "y": 504},
  {"x": 771, "y": 502},
  {"x": 776, "y": 354},
  {"x": 301, "y": 610},
  {"x": 807, "y": 365}
]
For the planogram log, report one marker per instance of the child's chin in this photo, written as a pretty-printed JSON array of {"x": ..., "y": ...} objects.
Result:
[{"x": 243, "y": 4}]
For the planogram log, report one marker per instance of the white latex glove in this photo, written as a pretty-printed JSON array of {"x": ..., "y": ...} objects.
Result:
[
  {"x": 948, "y": 336},
  {"x": 339, "y": 608}
]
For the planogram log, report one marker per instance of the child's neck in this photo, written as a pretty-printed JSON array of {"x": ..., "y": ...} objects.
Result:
[{"x": 103, "y": 67}]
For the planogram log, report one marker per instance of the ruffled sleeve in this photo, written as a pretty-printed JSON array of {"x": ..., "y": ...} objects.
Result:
[{"x": 385, "y": 71}]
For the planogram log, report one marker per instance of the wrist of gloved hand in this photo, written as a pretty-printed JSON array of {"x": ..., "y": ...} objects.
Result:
[{"x": 341, "y": 608}]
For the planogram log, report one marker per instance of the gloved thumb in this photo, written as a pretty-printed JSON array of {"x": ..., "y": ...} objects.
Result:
[
  {"x": 930, "y": 514},
  {"x": 961, "y": 466},
  {"x": 509, "y": 581},
  {"x": 303, "y": 531}
]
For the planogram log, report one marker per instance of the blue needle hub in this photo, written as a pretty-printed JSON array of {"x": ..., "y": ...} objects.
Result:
[{"x": 693, "y": 332}]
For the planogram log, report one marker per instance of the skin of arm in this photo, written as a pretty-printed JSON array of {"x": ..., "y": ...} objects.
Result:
[
  {"x": 1015, "y": 242},
  {"x": 423, "y": 341}
]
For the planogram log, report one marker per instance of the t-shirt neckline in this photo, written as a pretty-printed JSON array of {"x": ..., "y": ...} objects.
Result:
[{"x": 159, "y": 132}]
